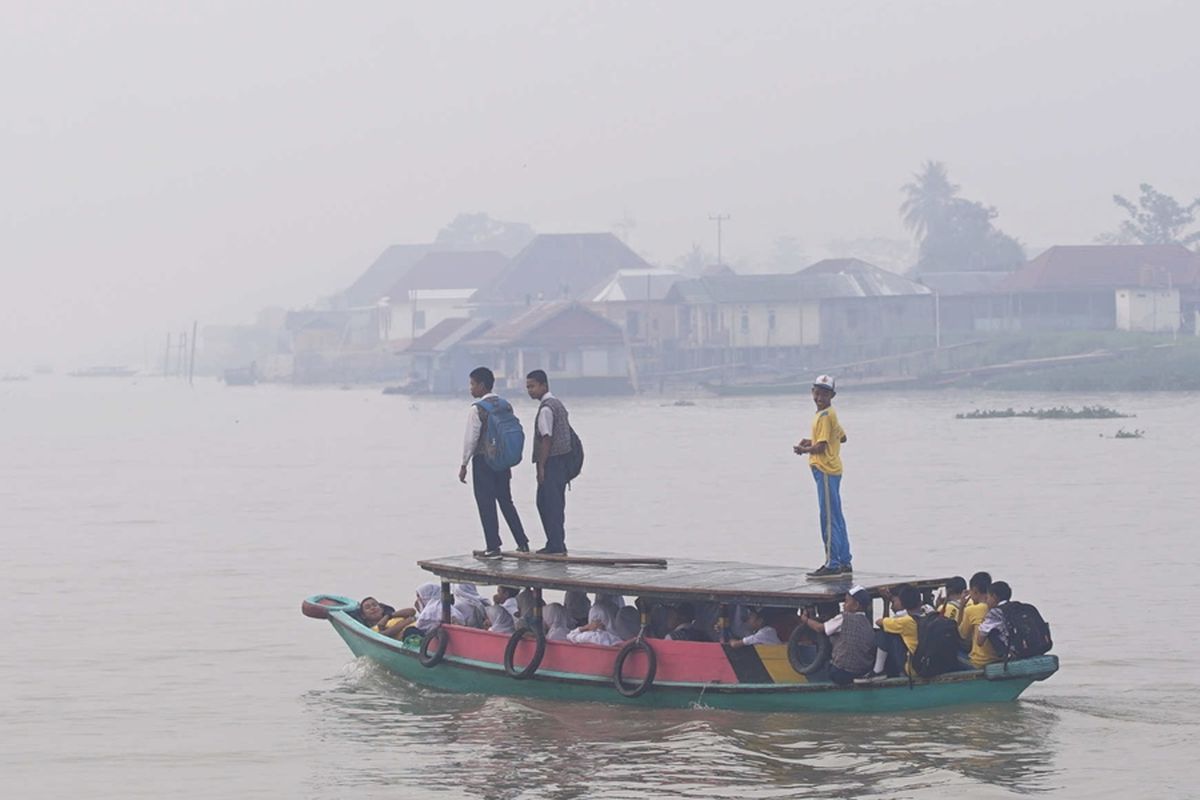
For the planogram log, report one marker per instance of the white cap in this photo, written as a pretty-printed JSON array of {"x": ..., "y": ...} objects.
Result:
[{"x": 825, "y": 382}]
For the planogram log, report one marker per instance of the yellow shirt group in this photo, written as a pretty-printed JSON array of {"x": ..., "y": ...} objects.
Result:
[
  {"x": 968, "y": 625},
  {"x": 906, "y": 626},
  {"x": 826, "y": 428}
]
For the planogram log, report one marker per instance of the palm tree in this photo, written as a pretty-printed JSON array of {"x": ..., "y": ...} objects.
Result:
[{"x": 928, "y": 197}]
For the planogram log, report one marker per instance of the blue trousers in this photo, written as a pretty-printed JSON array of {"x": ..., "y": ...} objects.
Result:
[{"x": 833, "y": 524}]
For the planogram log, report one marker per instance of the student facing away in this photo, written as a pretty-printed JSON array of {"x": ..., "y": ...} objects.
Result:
[{"x": 492, "y": 487}]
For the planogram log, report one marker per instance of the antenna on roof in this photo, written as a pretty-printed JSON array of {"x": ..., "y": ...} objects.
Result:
[{"x": 718, "y": 218}]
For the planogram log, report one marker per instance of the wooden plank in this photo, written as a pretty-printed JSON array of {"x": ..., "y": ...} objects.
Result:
[{"x": 610, "y": 561}]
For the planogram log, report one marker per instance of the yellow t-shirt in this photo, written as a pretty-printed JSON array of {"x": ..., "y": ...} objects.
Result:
[
  {"x": 950, "y": 611},
  {"x": 906, "y": 626},
  {"x": 968, "y": 625},
  {"x": 826, "y": 428}
]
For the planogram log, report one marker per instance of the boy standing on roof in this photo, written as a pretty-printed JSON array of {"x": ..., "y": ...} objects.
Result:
[
  {"x": 825, "y": 460},
  {"x": 492, "y": 487},
  {"x": 551, "y": 444}
]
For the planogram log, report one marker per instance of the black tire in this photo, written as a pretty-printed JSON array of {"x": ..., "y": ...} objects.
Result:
[
  {"x": 637, "y": 689},
  {"x": 510, "y": 651},
  {"x": 817, "y": 662},
  {"x": 432, "y": 659}
]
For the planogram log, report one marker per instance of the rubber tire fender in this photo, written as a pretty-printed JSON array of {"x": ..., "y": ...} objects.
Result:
[
  {"x": 432, "y": 659},
  {"x": 824, "y": 648},
  {"x": 635, "y": 690},
  {"x": 510, "y": 651}
]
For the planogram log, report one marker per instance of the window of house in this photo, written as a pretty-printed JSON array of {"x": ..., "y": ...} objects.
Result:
[
  {"x": 632, "y": 323},
  {"x": 745, "y": 321},
  {"x": 771, "y": 320},
  {"x": 419, "y": 320},
  {"x": 558, "y": 360}
]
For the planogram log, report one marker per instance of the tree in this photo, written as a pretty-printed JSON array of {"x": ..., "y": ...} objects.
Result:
[
  {"x": 1157, "y": 218},
  {"x": 954, "y": 233},
  {"x": 694, "y": 261},
  {"x": 478, "y": 231}
]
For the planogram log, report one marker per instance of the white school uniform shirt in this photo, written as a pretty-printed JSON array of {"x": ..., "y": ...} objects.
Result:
[
  {"x": 474, "y": 428},
  {"x": 764, "y": 635},
  {"x": 545, "y": 417}
]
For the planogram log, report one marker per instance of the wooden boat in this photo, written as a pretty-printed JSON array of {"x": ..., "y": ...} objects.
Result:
[{"x": 656, "y": 672}]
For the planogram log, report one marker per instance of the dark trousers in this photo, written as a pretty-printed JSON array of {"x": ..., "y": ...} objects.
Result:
[
  {"x": 897, "y": 652},
  {"x": 552, "y": 502},
  {"x": 494, "y": 488}
]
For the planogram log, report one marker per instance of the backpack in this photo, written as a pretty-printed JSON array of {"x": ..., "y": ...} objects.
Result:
[
  {"x": 503, "y": 437},
  {"x": 937, "y": 646},
  {"x": 574, "y": 457},
  {"x": 1028, "y": 633}
]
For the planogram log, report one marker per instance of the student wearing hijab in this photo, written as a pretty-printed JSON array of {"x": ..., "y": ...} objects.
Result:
[
  {"x": 598, "y": 628},
  {"x": 499, "y": 620},
  {"x": 558, "y": 622},
  {"x": 431, "y": 615},
  {"x": 470, "y": 605},
  {"x": 615, "y": 600}
]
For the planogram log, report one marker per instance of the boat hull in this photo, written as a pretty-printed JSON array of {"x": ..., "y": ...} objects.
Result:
[{"x": 473, "y": 664}]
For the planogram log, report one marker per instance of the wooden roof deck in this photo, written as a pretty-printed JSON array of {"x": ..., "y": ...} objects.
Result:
[{"x": 681, "y": 579}]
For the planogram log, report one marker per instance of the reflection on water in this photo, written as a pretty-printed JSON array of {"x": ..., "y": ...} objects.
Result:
[{"x": 373, "y": 723}]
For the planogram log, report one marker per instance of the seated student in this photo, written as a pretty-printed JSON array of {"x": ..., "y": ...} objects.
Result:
[
  {"x": 371, "y": 611},
  {"x": 896, "y": 638},
  {"x": 526, "y": 602},
  {"x": 951, "y": 604},
  {"x": 577, "y": 605},
  {"x": 681, "y": 624},
  {"x": 851, "y": 635},
  {"x": 507, "y": 596},
  {"x": 659, "y": 612},
  {"x": 430, "y": 616},
  {"x": 400, "y": 620},
  {"x": 499, "y": 620},
  {"x": 980, "y": 654},
  {"x": 627, "y": 623},
  {"x": 558, "y": 623},
  {"x": 597, "y": 630},
  {"x": 470, "y": 605},
  {"x": 992, "y": 630},
  {"x": 763, "y": 633}
]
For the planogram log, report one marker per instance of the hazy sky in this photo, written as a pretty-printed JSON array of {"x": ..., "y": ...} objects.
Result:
[{"x": 165, "y": 162}]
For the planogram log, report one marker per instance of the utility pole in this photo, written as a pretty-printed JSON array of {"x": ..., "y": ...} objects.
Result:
[{"x": 718, "y": 218}]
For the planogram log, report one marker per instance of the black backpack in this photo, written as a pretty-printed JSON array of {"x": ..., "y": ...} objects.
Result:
[
  {"x": 937, "y": 646},
  {"x": 1028, "y": 633},
  {"x": 574, "y": 457}
]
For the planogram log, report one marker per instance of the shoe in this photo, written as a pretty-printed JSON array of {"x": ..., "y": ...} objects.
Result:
[
  {"x": 547, "y": 551},
  {"x": 845, "y": 569},
  {"x": 874, "y": 677},
  {"x": 493, "y": 553},
  {"x": 825, "y": 572},
  {"x": 523, "y": 548}
]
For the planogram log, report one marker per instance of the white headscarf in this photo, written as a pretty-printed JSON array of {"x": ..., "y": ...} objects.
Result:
[
  {"x": 628, "y": 623},
  {"x": 426, "y": 594},
  {"x": 603, "y": 612},
  {"x": 577, "y": 604},
  {"x": 558, "y": 622},
  {"x": 470, "y": 605},
  {"x": 501, "y": 621},
  {"x": 431, "y": 615}
]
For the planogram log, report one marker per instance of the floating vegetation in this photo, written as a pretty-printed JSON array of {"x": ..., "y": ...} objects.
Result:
[
  {"x": 1134, "y": 434},
  {"x": 1059, "y": 412}
]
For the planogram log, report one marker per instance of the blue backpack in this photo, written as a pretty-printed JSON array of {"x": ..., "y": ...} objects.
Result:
[{"x": 502, "y": 435}]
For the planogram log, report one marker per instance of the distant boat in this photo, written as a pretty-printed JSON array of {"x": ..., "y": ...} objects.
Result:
[
  {"x": 11, "y": 378},
  {"x": 103, "y": 372}
]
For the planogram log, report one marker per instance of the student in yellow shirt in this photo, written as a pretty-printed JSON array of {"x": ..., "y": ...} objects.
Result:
[
  {"x": 825, "y": 459},
  {"x": 896, "y": 638},
  {"x": 951, "y": 604},
  {"x": 980, "y": 653}
]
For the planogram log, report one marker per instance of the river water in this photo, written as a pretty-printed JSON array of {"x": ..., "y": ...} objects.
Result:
[{"x": 158, "y": 541}]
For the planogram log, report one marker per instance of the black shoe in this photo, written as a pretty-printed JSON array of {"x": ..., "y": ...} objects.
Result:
[
  {"x": 523, "y": 548},
  {"x": 491, "y": 553},
  {"x": 825, "y": 571},
  {"x": 845, "y": 569},
  {"x": 548, "y": 551}
]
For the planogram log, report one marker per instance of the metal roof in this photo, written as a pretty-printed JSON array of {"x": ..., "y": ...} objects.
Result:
[
  {"x": 681, "y": 579},
  {"x": 1107, "y": 267},
  {"x": 826, "y": 280}
]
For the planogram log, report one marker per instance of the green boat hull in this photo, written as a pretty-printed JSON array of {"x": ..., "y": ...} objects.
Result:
[{"x": 997, "y": 684}]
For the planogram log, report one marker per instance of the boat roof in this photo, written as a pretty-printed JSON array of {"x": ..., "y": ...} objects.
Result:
[{"x": 679, "y": 579}]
